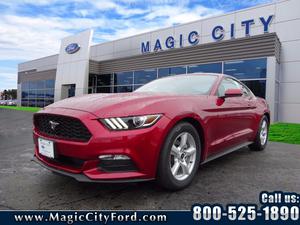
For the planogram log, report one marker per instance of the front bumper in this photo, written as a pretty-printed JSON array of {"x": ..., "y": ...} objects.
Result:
[
  {"x": 82, "y": 178},
  {"x": 142, "y": 146}
]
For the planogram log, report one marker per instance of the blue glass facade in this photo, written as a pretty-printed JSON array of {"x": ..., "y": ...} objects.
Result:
[
  {"x": 252, "y": 72},
  {"x": 164, "y": 72},
  {"x": 246, "y": 69},
  {"x": 206, "y": 68},
  {"x": 144, "y": 76},
  {"x": 38, "y": 93}
]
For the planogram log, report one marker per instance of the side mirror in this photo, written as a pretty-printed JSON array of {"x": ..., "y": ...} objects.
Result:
[{"x": 233, "y": 93}]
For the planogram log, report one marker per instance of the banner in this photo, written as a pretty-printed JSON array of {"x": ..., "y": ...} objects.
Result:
[{"x": 275, "y": 208}]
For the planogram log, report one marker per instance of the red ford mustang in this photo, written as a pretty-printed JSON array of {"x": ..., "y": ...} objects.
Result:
[{"x": 164, "y": 130}]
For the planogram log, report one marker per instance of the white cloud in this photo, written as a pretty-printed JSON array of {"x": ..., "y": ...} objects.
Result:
[
  {"x": 28, "y": 38},
  {"x": 106, "y": 5},
  {"x": 177, "y": 14}
]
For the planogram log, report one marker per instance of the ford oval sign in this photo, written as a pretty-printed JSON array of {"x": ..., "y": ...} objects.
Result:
[{"x": 72, "y": 48}]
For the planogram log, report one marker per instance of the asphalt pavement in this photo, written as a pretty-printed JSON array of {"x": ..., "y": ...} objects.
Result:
[{"x": 235, "y": 178}]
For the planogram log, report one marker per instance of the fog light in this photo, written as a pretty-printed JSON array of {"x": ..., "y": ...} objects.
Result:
[
  {"x": 116, "y": 163},
  {"x": 113, "y": 157}
]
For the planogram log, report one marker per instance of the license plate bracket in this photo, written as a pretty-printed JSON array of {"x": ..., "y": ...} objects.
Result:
[{"x": 46, "y": 148}]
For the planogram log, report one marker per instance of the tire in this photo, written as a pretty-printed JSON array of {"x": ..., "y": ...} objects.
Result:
[
  {"x": 180, "y": 154},
  {"x": 261, "y": 138}
]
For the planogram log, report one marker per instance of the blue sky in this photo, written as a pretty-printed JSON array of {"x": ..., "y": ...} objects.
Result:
[{"x": 32, "y": 29}]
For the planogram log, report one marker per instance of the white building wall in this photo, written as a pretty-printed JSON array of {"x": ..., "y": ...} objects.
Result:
[
  {"x": 287, "y": 29},
  {"x": 271, "y": 86},
  {"x": 41, "y": 64}
]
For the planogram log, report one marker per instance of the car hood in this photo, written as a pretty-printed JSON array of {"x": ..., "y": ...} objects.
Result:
[{"x": 115, "y": 105}]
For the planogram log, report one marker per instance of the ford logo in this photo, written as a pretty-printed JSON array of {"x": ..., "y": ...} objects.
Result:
[{"x": 72, "y": 48}]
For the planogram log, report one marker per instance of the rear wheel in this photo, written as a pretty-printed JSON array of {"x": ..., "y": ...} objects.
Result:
[
  {"x": 180, "y": 157},
  {"x": 262, "y": 135}
]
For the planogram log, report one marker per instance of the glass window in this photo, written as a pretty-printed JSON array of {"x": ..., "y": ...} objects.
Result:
[
  {"x": 40, "y": 93},
  {"x": 40, "y": 103},
  {"x": 50, "y": 83},
  {"x": 246, "y": 91},
  {"x": 92, "y": 79},
  {"x": 24, "y": 102},
  {"x": 136, "y": 87},
  {"x": 123, "y": 78},
  {"x": 24, "y": 94},
  {"x": 32, "y": 84},
  {"x": 104, "y": 80},
  {"x": 258, "y": 87},
  {"x": 206, "y": 68},
  {"x": 191, "y": 84},
  {"x": 104, "y": 89},
  {"x": 48, "y": 101},
  {"x": 119, "y": 89},
  {"x": 163, "y": 72},
  {"x": 40, "y": 84},
  {"x": 144, "y": 76},
  {"x": 226, "y": 84},
  {"x": 31, "y": 102},
  {"x": 25, "y": 85},
  {"x": 32, "y": 94},
  {"x": 49, "y": 93},
  {"x": 246, "y": 69}
]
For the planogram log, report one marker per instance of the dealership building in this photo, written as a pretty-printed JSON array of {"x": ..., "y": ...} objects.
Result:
[{"x": 259, "y": 45}]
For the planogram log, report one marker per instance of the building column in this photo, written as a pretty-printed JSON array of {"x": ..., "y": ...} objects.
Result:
[
  {"x": 73, "y": 68},
  {"x": 272, "y": 86},
  {"x": 19, "y": 95}
]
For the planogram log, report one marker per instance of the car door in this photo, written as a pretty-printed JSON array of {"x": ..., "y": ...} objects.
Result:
[{"x": 234, "y": 118}]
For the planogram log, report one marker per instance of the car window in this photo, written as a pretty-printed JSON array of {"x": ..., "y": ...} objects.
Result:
[
  {"x": 245, "y": 90},
  {"x": 226, "y": 84},
  {"x": 181, "y": 84}
]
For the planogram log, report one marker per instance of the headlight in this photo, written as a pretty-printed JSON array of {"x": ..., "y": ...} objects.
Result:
[{"x": 132, "y": 122}]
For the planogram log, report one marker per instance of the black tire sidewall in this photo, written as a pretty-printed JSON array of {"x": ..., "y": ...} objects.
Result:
[{"x": 165, "y": 176}]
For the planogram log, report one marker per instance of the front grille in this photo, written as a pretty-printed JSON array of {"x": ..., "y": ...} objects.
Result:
[{"x": 61, "y": 127}]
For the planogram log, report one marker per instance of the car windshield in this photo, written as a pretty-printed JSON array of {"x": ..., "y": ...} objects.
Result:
[{"x": 181, "y": 84}]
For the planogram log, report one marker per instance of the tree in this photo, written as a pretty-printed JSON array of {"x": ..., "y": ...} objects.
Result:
[{"x": 9, "y": 94}]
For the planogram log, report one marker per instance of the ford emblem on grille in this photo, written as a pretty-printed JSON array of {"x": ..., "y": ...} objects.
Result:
[
  {"x": 53, "y": 124},
  {"x": 72, "y": 48}
]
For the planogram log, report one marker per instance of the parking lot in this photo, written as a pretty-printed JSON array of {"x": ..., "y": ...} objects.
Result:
[{"x": 237, "y": 177}]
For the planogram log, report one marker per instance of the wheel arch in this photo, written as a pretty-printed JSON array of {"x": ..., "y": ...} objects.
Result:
[
  {"x": 196, "y": 122},
  {"x": 267, "y": 114},
  {"x": 199, "y": 129}
]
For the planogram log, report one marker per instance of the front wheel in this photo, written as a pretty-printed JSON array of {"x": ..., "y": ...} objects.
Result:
[
  {"x": 262, "y": 135},
  {"x": 180, "y": 157}
]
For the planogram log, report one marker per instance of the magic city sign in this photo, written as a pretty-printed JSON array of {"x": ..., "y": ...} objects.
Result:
[{"x": 217, "y": 34}]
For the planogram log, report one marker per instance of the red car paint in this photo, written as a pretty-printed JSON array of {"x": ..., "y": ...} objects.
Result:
[{"x": 223, "y": 123}]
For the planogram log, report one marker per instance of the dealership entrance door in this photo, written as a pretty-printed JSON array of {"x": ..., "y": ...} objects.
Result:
[{"x": 68, "y": 90}]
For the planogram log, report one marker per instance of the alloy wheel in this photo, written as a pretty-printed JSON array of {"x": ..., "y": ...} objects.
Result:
[
  {"x": 263, "y": 132},
  {"x": 183, "y": 156}
]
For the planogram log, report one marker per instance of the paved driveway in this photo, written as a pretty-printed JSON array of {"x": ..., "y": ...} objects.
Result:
[{"x": 237, "y": 177}]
